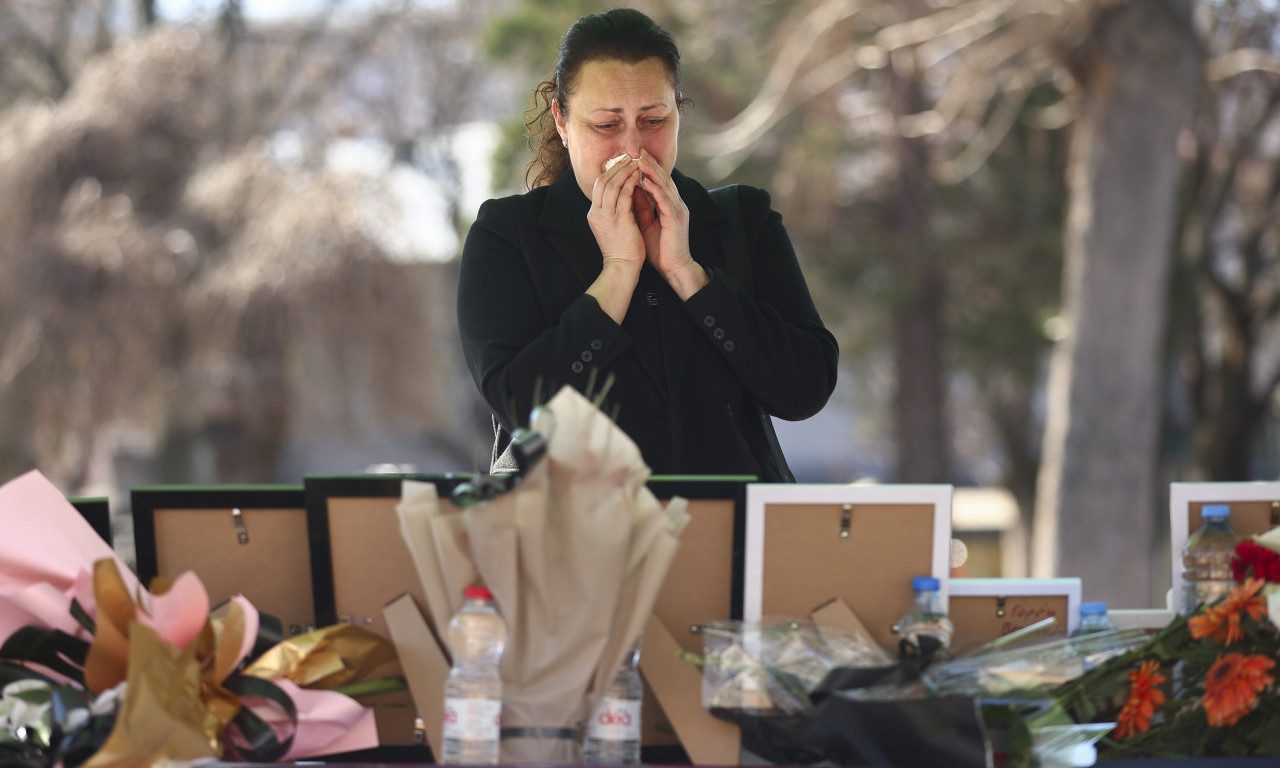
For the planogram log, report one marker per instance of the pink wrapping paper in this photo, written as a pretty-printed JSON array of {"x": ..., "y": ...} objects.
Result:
[
  {"x": 47, "y": 551},
  {"x": 47, "y": 556}
]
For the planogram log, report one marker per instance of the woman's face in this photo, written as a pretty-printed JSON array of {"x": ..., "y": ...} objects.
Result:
[{"x": 618, "y": 108}]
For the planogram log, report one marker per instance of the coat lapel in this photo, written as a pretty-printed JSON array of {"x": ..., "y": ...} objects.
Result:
[{"x": 564, "y": 219}]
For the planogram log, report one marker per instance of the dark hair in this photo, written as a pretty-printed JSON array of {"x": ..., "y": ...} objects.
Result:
[{"x": 621, "y": 34}]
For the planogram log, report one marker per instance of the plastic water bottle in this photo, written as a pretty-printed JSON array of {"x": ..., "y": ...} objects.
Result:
[
  {"x": 1093, "y": 618},
  {"x": 613, "y": 734},
  {"x": 1206, "y": 559},
  {"x": 927, "y": 617},
  {"x": 473, "y": 692}
]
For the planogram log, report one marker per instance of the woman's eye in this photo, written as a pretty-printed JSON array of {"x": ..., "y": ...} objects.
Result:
[
  {"x": 606, "y": 127},
  {"x": 655, "y": 122}
]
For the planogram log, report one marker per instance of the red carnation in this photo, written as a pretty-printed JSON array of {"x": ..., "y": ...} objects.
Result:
[{"x": 1253, "y": 557}]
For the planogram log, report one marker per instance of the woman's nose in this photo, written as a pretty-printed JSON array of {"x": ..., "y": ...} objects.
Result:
[{"x": 631, "y": 143}]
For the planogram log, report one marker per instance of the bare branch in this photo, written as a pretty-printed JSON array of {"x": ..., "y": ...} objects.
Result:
[
  {"x": 767, "y": 108},
  {"x": 990, "y": 136},
  {"x": 1262, "y": 404},
  {"x": 44, "y": 53},
  {"x": 1240, "y": 61}
]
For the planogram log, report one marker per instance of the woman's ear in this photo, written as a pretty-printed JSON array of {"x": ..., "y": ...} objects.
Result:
[{"x": 559, "y": 118}]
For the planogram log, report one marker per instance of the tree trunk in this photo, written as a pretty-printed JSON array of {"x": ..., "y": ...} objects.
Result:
[
  {"x": 920, "y": 400},
  {"x": 1136, "y": 70},
  {"x": 1229, "y": 418}
]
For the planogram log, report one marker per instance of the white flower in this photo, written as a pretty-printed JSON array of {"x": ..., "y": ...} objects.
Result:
[
  {"x": 108, "y": 700},
  {"x": 75, "y": 719},
  {"x": 1272, "y": 593},
  {"x": 25, "y": 704},
  {"x": 1270, "y": 539}
]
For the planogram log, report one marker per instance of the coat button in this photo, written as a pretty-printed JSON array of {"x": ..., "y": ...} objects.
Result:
[
  {"x": 729, "y": 346},
  {"x": 718, "y": 333},
  {"x": 709, "y": 320},
  {"x": 586, "y": 356},
  {"x": 576, "y": 367},
  {"x": 597, "y": 344}
]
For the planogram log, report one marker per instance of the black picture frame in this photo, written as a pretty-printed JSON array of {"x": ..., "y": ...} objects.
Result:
[
  {"x": 729, "y": 487},
  {"x": 96, "y": 510},
  {"x": 148, "y": 500},
  {"x": 318, "y": 490}
]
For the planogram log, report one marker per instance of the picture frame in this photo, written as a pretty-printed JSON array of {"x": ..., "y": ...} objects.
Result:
[
  {"x": 985, "y": 609},
  {"x": 1255, "y": 509},
  {"x": 702, "y": 585},
  {"x": 808, "y": 543},
  {"x": 249, "y": 540},
  {"x": 96, "y": 510},
  {"x": 359, "y": 564}
]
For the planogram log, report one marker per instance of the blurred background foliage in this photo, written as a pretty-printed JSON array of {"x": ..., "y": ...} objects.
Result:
[{"x": 1044, "y": 231}]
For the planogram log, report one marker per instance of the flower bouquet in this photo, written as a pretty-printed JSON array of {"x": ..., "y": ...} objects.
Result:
[
  {"x": 1205, "y": 685},
  {"x": 98, "y": 671},
  {"x": 802, "y": 693}
]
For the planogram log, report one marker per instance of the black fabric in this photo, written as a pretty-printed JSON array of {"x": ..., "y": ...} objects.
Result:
[
  {"x": 687, "y": 376},
  {"x": 768, "y": 452},
  {"x": 840, "y": 730},
  {"x": 918, "y": 733}
]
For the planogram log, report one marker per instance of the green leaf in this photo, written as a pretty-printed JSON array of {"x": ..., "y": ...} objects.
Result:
[
  {"x": 373, "y": 687},
  {"x": 65, "y": 698},
  {"x": 11, "y": 672},
  {"x": 51, "y": 648},
  {"x": 263, "y": 744},
  {"x": 82, "y": 617}
]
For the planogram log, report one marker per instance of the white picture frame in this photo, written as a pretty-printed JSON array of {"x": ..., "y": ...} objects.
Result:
[
  {"x": 1141, "y": 618},
  {"x": 1182, "y": 496},
  {"x": 761, "y": 497},
  {"x": 1069, "y": 587}
]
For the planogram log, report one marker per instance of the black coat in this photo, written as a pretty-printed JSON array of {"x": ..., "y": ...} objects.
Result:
[{"x": 685, "y": 372}]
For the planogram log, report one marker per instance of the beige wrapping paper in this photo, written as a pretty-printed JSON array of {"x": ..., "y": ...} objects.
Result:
[
  {"x": 575, "y": 556},
  {"x": 440, "y": 550}
]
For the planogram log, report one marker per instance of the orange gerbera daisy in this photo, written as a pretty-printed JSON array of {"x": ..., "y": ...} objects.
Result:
[
  {"x": 1144, "y": 699},
  {"x": 1232, "y": 685},
  {"x": 1222, "y": 621}
]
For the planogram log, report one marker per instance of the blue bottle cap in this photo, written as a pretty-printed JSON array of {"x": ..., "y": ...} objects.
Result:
[
  {"x": 1215, "y": 511},
  {"x": 1093, "y": 609},
  {"x": 920, "y": 583}
]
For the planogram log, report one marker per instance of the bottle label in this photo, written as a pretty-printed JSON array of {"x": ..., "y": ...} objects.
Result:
[
  {"x": 615, "y": 720},
  {"x": 472, "y": 719}
]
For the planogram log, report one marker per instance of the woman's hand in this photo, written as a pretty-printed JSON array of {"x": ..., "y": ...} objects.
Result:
[
  {"x": 611, "y": 219},
  {"x": 663, "y": 219},
  {"x": 618, "y": 235}
]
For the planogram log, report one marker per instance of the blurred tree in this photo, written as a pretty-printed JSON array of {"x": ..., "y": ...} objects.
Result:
[
  {"x": 1136, "y": 65},
  {"x": 897, "y": 111},
  {"x": 1227, "y": 279},
  {"x": 172, "y": 287}
]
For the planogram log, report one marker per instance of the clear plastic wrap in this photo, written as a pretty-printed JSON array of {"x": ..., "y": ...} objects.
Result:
[{"x": 775, "y": 664}]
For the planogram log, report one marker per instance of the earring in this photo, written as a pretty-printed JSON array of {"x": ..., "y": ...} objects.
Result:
[{"x": 565, "y": 142}]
